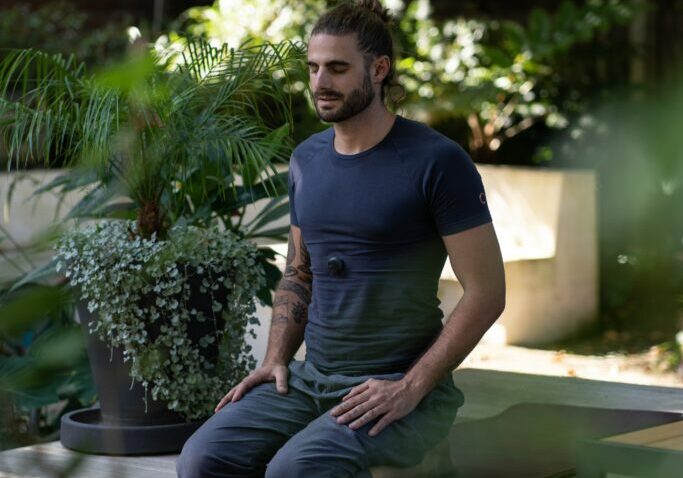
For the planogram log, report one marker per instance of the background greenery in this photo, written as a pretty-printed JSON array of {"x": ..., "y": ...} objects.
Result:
[
  {"x": 60, "y": 27},
  {"x": 551, "y": 86},
  {"x": 502, "y": 86}
]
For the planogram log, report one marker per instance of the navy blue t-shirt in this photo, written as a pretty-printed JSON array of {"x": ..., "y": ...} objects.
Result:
[{"x": 382, "y": 212}]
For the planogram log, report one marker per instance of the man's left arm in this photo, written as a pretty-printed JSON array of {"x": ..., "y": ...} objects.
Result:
[{"x": 476, "y": 260}]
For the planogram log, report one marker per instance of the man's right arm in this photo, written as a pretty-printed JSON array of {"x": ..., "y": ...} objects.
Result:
[
  {"x": 290, "y": 315},
  {"x": 290, "y": 305}
]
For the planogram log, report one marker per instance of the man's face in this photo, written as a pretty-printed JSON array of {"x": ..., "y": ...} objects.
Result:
[{"x": 340, "y": 80}]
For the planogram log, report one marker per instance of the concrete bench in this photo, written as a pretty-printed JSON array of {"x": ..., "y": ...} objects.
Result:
[
  {"x": 488, "y": 393},
  {"x": 546, "y": 222}
]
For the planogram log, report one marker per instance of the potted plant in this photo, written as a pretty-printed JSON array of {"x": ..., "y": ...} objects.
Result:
[{"x": 170, "y": 150}]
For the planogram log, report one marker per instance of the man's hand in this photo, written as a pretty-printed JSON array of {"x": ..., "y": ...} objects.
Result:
[
  {"x": 391, "y": 399},
  {"x": 265, "y": 373}
]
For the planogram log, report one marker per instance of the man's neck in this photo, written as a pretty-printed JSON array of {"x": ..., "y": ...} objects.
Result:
[{"x": 363, "y": 131}]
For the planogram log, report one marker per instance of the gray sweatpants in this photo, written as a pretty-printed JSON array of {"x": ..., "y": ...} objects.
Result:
[{"x": 293, "y": 435}]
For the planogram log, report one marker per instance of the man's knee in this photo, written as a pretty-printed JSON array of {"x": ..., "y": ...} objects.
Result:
[
  {"x": 199, "y": 460},
  {"x": 293, "y": 466},
  {"x": 306, "y": 467},
  {"x": 193, "y": 461}
]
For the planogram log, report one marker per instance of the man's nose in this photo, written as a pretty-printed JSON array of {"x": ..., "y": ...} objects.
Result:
[{"x": 321, "y": 80}]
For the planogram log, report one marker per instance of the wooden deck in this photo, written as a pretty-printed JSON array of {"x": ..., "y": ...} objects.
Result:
[
  {"x": 487, "y": 393},
  {"x": 52, "y": 460}
]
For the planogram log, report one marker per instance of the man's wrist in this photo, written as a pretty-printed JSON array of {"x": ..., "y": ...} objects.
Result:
[
  {"x": 271, "y": 362},
  {"x": 418, "y": 383}
]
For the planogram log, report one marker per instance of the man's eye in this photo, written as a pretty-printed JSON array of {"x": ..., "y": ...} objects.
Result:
[{"x": 340, "y": 69}]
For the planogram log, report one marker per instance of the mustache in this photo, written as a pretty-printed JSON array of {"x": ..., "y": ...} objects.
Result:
[{"x": 327, "y": 94}]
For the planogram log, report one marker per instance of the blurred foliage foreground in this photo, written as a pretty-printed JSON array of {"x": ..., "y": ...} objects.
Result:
[
  {"x": 639, "y": 161},
  {"x": 496, "y": 86},
  {"x": 44, "y": 370}
]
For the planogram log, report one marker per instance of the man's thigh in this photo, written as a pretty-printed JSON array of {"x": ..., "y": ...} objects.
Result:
[
  {"x": 325, "y": 448},
  {"x": 241, "y": 438}
]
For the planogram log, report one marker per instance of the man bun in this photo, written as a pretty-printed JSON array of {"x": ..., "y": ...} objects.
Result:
[{"x": 376, "y": 7}]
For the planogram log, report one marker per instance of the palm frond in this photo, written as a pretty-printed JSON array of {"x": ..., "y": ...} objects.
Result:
[
  {"x": 49, "y": 108},
  {"x": 221, "y": 118}
]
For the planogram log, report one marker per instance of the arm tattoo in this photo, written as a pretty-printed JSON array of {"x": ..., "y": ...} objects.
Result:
[
  {"x": 299, "y": 312},
  {"x": 300, "y": 291},
  {"x": 305, "y": 265},
  {"x": 299, "y": 308},
  {"x": 281, "y": 307},
  {"x": 306, "y": 269},
  {"x": 278, "y": 315}
]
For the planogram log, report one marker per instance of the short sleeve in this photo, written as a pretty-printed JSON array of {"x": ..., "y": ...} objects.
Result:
[
  {"x": 292, "y": 187},
  {"x": 455, "y": 192}
]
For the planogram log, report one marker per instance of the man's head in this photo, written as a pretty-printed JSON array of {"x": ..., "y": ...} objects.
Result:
[{"x": 350, "y": 58}]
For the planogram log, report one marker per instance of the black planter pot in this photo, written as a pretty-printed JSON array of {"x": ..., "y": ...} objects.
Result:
[{"x": 122, "y": 425}]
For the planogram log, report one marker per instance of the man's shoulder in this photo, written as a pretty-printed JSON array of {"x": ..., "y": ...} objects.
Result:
[
  {"x": 312, "y": 144},
  {"x": 425, "y": 143}
]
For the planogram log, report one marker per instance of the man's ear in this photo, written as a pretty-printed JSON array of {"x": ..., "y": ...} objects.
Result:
[{"x": 380, "y": 68}]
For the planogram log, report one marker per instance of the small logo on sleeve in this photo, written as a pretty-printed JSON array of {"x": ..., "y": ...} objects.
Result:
[{"x": 482, "y": 198}]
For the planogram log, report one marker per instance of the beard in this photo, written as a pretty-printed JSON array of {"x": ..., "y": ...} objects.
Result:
[{"x": 357, "y": 101}]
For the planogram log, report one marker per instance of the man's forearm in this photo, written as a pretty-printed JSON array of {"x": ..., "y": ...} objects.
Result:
[
  {"x": 464, "y": 328},
  {"x": 290, "y": 305},
  {"x": 290, "y": 314}
]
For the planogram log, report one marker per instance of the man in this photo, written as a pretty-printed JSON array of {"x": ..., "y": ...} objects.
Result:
[{"x": 377, "y": 202}]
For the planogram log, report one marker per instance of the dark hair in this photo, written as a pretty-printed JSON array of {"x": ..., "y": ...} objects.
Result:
[{"x": 370, "y": 21}]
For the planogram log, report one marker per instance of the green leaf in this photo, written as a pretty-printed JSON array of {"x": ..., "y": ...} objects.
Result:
[
  {"x": 55, "y": 368},
  {"x": 14, "y": 373},
  {"x": 539, "y": 28},
  {"x": 67, "y": 182},
  {"x": 248, "y": 195},
  {"x": 30, "y": 305},
  {"x": 278, "y": 233},
  {"x": 79, "y": 385},
  {"x": 38, "y": 275},
  {"x": 566, "y": 18},
  {"x": 93, "y": 201},
  {"x": 59, "y": 347},
  {"x": 128, "y": 76},
  {"x": 118, "y": 210},
  {"x": 273, "y": 276},
  {"x": 270, "y": 213},
  {"x": 497, "y": 56}
]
